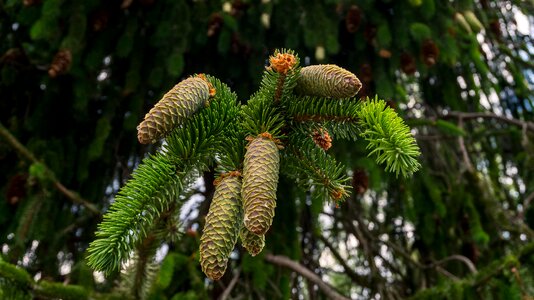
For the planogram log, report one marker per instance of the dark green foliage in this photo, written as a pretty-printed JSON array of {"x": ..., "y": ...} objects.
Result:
[{"x": 58, "y": 290}]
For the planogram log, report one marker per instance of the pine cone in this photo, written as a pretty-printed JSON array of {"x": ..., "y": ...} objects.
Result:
[
  {"x": 178, "y": 104},
  {"x": 214, "y": 24},
  {"x": 360, "y": 181},
  {"x": 369, "y": 33},
  {"x": 260, "y": 180},
  {"x": 327, "y": 81},
  {"x": 223, "y": 223},
  {"x": 407, "y": 64},
  {"x": 61, "y": 63},
  {"x": 100, "y": 20},
  {"x": 16, "y": 188},
  {"x": 353, "y": 19},
  {"x": 322, "y": 139},
  {"x": 430, "y": 52},
  {"x": 252, "y": 242}
]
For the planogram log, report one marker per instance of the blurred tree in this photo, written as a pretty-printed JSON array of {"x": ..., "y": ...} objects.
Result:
[{"x": 78, "y": 76}]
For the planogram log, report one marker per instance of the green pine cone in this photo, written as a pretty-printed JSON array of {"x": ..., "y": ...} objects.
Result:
[
  {"x": 327, "y": 81},
  {"x": 182, "y": 101},
  {"x": 223, "y": 223},
  {"x": 252, "y": 242},
  {"x": 260, "y": 180}
]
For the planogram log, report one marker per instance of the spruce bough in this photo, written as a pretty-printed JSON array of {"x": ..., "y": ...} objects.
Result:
[{"x": 286, "y": 126}]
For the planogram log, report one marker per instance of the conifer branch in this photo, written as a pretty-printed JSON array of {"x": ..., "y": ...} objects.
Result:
[
  {"x": 158, "y": 182},
  {"x": 338, "y": 116},
  {"x": 29, "y": 156},
  {"x": 313, "y": 167}
]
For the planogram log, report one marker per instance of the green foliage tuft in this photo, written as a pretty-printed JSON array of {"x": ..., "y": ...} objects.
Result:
[{"x": 389, "y": 138}]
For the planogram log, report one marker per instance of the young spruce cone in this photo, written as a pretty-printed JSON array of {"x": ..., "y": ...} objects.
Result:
[
  {"x": 223, "y": 223},
  {"x": 178, "y": 104},
  {"x": 327, "y": 81},
  {"x": 252, "y": 242},
  {"x": 260, "y": 180}
]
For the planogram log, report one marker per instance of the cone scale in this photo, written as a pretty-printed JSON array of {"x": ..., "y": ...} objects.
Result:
[
  {"x": 178, "y": 104},
  {"x": 252, "y": 242},
  {"x": 221, "y": 230},
  {"x": 260, "y": 180}
]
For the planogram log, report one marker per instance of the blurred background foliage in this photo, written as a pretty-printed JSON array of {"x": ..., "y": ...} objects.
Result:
[{"x": 78, "y": 76}]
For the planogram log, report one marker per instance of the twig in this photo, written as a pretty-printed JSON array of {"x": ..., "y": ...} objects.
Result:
[
  {"x": 437, "y": 264},
  {"x": 471, "y": 115},
  {"x": 470, "y": 265},
  {"x": 296, "y": 267},
  {"x": 230, "y": 286},
  {"x": 25, "y": 153},
  {"x": 463, "y": 149},
  {"x": 359, "y": 279},
  {"x": 526, "y": 204}
]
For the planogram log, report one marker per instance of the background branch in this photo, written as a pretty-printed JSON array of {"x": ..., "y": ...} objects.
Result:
[
  {"x": 284, "y": 261},
  {"x": 28, "y": 155}
]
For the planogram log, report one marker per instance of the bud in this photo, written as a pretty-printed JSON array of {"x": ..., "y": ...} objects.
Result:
[
  {"x": 327, "y": 81},
  {"x": 260, "y": 180},
  {"x": 223, "y": 223},
  {"x": 282, "y": 62},
  {"x": 178, "y": 104},
  {"x": 252, "y": 242}
]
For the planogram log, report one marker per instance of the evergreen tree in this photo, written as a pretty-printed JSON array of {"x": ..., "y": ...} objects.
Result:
[{"x": 78, "y": 77}]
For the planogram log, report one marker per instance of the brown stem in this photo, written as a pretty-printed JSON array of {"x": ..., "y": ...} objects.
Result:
[
  {"x": 26, "y": 154},
  {"x": 284, "y": 261},
  {"x": 279, "y": 88},
  {"x": 323, "y": 118}
]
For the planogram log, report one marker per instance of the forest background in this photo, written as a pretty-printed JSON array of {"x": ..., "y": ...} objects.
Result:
[{"x": 76, "y": 77}]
